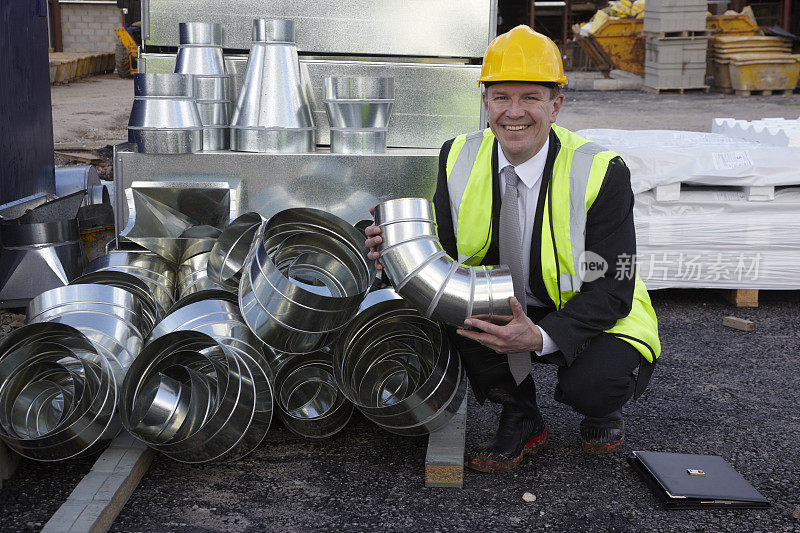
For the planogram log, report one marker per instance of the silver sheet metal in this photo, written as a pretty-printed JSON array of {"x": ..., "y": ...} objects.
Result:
[
  {"x": 200, "y": 54},
  {"x": 177, "y": 222},
  {"x": 55, "y": 210},
  {"x": 433, "y": 102},
  {"x": 422, "y": 272},
  {"x": 196, "y": 399},
  {"x": 305, "y": 276},
  {"x": 344, "y": 185},
  {"x": 81, "y": 178},
  {"x": 310, "y": 404},
  {"x": 113, "y": 319},
  {"x": 17, "y": 208},
  {"x": 192, "y": 276},
  {"x": 358, "y": 141},
  {"x": 154, "y": 271},
  {"x": 446, "y": 28},
  {"x": 132, "y": 284},
  {"x": 398, "y": 368},
  {"x": 37, "y": 257},
  {"x": 164, "y": 118},
  {"x": 273, "y": 109},
  {"x": 57, "y": 393},
  {"x": 227, "y": 258}
]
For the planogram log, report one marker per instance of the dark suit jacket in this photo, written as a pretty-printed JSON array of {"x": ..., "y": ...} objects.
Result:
[{"x": 609, "y": 233}]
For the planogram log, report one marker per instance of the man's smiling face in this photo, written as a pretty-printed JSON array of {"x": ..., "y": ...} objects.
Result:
[{"x": 520, "y": 115}]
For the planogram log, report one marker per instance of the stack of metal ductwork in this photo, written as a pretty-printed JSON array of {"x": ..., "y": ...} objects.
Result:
[
  {"x": 398, "y": 368},
  {"x": 310, "y": 403},
  {"x": 200, "y": 54},
  {"x": 304, "y": 279},
  {"x": 155, "y": 272},
  {"x": 60, "y": 375},
  {"x": 164, "y": 117},
  {"x": 440, "y": 287},
  {"x": 198, "y": 398},
  {"x": 358, "y": 109},
  {"x": 58, "y": 393},
  {"x": 227, "y": 258},
  {"x": 273, "y": 111}
]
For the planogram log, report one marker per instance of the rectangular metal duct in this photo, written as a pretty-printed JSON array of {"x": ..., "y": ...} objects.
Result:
[
  {"x": 344, "y": 185},
  {"x": 433, "y": 101},
  {"x": 444, "y": 28}
]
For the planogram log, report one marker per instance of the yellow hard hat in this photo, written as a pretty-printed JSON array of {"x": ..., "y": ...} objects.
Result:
[{"x": 522, "y": 54}]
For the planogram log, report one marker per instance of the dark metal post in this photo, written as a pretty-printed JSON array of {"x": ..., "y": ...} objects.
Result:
[
  {"x": 26, "y": 122},
  {"x": 58, "y": 40}
]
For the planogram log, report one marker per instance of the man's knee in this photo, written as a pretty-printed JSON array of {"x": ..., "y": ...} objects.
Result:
[{"x": 593, "y": 395}]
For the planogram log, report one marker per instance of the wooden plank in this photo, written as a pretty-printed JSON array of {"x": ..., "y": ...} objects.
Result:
[
  {"x": 738, "y": 323},
  {"x": 444, "y": 462},
  {"x": 101, "y": 494},
  {"x": 8, "y": 463},
  {"x": 741, "y": 297}
]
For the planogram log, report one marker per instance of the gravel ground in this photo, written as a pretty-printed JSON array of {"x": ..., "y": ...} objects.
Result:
[{"x": 716, "y": 391}]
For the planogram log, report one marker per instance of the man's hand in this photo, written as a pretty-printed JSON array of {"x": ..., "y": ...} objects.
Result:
[
  {"x": 519, "y": 334},
  {"x": 374, "y": 240}
]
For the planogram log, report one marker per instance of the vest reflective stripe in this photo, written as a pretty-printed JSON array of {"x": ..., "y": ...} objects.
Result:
[
  {"x": 579, "y": 173},
  {"x": 461, "y": 163}
]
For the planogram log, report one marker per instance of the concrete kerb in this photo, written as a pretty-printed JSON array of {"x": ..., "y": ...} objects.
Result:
[{"x": 101, "y": 494}]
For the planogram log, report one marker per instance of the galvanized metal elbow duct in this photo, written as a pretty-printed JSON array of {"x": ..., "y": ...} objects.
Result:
[{"x": 422, "y": 272}]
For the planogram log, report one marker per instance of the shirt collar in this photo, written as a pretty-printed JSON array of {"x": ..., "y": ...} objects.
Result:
[{"x": 531, "y": 170}]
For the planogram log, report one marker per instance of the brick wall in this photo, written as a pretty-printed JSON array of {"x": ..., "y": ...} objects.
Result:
[{"x": 89, "y": 28}]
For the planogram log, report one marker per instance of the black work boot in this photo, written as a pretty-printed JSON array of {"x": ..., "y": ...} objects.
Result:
[
  {"x": 521, "y": 431},
  {"x": 603, "y": 435}
]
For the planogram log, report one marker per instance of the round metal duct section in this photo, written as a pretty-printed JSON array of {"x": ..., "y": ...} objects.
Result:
[
  {"x": 398, "y": 368},
  {"x": 192, "y": 276},
  {"x": 227, "y": 258},
  {"x": 57, "y": 393},
  {"x": 304, "y": 279},
  {"x": 130, "y": 283},
  {"x": 154, "y": 271},
  {"x": 195, "y": 399},
  {"x": 216, "y": 313},
  {"x": 310, "y": 403},
  {"x": 113, "y": 319},
  {"x": 422, "y": 272}
]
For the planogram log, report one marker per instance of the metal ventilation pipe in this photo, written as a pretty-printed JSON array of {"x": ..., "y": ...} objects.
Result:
[
  {"x": 422, "y": 272},
  {"x": 398, "y": 368},
  {"x": 311, "y": 405},
  {"x": 305, "y": 276},
  {"x": 227, "y": 258},
  {"x": 57, "y": 393},
  {"x": 196, "y": 399}
]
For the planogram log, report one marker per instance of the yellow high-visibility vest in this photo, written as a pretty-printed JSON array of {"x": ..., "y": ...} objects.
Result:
[{"x": 578, "y": 173}]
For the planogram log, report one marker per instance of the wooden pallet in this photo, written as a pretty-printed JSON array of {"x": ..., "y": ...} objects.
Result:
[
  {"x": 675, "y": 90},
  {"x": 680, "y": 34},
  {"x": 741, "y": 297}
]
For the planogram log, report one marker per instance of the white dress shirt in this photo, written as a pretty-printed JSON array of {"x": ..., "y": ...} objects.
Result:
[{"x": 530, "y": 179}]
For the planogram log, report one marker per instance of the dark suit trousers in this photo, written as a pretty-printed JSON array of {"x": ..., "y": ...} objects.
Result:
[{"x": 599, "y": 381}]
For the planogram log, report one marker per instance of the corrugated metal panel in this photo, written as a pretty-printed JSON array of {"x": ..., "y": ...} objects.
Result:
[
  {"x": 26, "y": 123},
  {"x": 441, "y": 28}
]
